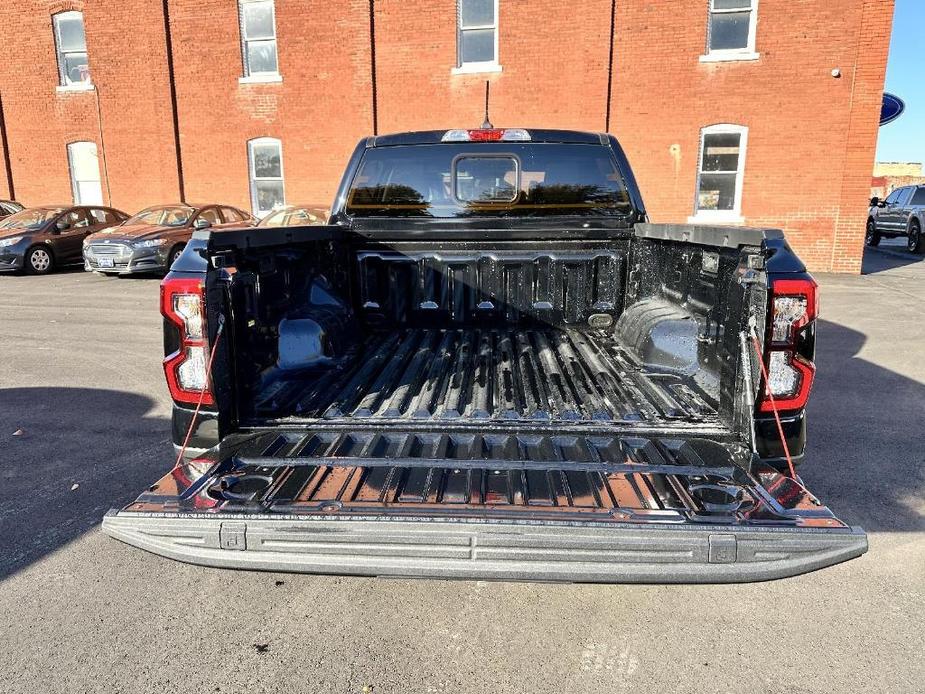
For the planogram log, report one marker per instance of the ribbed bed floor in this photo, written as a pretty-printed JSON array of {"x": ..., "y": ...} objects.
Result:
[{"x": 545, "y": 375}]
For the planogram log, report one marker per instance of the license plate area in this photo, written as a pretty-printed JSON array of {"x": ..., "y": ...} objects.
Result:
[{"x": 105, "y": 262}]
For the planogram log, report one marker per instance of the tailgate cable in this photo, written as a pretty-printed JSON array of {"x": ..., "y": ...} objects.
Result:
[
  {"x": 202, "y": 393},
  {"x": 767, "y": 388}
]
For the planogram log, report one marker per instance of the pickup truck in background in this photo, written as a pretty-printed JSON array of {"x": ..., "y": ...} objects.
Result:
[{"x": 489, "y": 365}]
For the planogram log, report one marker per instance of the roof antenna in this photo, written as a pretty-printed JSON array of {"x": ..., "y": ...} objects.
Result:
[{"x": 486, "y": 124}]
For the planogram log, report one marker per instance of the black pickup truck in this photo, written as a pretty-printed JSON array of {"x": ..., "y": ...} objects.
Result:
[{"x": 489, "y": 365}]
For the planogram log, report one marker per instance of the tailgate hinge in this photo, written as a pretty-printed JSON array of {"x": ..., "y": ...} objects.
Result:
[{"x": 234, "y": 536}]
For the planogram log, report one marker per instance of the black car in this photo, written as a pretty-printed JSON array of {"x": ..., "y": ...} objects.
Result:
[
  {"x": 152, "y": 239},
  {"x": 40, "y": 239},
  {"x": 8, "y": 207}
]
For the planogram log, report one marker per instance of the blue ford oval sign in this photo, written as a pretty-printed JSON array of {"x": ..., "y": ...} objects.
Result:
[{"x": 891, "y": 109}]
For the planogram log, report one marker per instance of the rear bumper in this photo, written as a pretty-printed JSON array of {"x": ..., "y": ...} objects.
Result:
[
  {"x": 488, "y": 549},
  {"x": 138, "y": 261},
  {"x": 11, "y": 262}
]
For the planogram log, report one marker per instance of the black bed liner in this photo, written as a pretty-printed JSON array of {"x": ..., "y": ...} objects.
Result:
[{"x": 503, "y": 375}]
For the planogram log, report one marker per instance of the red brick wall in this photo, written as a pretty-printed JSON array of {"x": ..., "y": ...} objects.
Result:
[
  {"x": 125, "y": 44},
  {"x": 811, "y": 137},
  {"x": 319, "y": 111}
]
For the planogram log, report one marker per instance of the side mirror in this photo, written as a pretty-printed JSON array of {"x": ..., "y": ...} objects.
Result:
[
  {"x": 201, "y": 223},
  {"x": 875, "y": 201}
]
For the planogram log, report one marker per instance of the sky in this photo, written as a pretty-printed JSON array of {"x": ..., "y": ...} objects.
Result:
[{"x": 904, "y": 139}]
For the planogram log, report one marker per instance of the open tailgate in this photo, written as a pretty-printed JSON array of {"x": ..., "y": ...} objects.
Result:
[{"x": 539, "y": 506}]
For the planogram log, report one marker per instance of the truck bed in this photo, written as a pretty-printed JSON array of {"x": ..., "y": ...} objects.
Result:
[{"x": 469, "y": 376}]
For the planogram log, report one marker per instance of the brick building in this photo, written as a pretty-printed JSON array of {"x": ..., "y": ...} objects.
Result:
[{"x": 762, "y": 112}]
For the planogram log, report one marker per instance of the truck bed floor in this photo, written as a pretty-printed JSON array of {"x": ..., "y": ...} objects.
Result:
[{"x": 470, "y": 376}]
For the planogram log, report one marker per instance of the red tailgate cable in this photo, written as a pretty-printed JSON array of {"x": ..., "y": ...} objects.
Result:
[
  {"x": 202, "y": 393},
  {"x": 767, "y": 387}
]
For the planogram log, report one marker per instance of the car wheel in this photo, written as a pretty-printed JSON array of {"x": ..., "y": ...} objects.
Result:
[
  {"x": 914, "y": 239},
  {"x": 175, "y": 253},
  {"x": 39, "y": 261},
  {"x": 872, "y": 238}
]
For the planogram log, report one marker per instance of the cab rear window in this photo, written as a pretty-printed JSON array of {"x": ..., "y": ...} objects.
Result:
[{"x": 488, "y": 179}]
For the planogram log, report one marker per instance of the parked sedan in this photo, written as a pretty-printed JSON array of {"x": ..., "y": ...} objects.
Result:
[
  {"x": 40, "y": 239},
  {"x": 8, "y": 207},
  {"x": 155, "y": 237},
  {"x": 296, "y": 215}
]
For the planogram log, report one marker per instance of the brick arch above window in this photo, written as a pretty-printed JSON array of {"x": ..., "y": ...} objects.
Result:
[{"x": 65, "y": 6}]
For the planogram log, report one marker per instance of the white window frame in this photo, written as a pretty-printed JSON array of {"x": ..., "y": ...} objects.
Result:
[
  {"x": 250, "y": 76},
  {"x": 733, "y": 216},
  {"x": 64, "y": 82},
  {"x": 493, "y": 65},
  {"x": 252, "y": 173},
  {"x": 727, "y": 54},
  {"x": 72, "y": 148}
]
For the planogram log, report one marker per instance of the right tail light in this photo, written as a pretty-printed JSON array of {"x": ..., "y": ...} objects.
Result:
[{"x": 789, "y": 351}]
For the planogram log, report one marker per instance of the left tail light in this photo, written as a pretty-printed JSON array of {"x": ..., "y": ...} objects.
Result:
[
  {"x": 186, "y": 369},
  {"x": 789, "y": 351}
]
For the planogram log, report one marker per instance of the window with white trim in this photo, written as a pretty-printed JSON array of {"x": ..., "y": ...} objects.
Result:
[
  {"x": 732, "y": 27},
  {"x": 84, "y": 164},
  {"x": 477, "y": 35},
  {"x": 258, "y": 37},
  {"x": 71, "y": 47},
  {"x": 720, "y": 171},
  {"x": 265, "y": 156}
]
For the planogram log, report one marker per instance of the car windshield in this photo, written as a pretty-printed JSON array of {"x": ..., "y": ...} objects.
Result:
[
  {"x": 503, "y": 179},
  {"x": 170, "y": 216},
  {"x": 30, "y": 219},
  {"x": 296, "y": 216}
]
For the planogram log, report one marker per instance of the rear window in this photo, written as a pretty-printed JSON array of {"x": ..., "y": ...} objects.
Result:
[
  {"x": 500, "y": 179},
  {"x": 919, "y": 197}
]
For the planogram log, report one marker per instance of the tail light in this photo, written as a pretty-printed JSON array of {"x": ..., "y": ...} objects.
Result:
[
  {"x": 183, "y": 305},
  {"x": 790, "y": 344}
]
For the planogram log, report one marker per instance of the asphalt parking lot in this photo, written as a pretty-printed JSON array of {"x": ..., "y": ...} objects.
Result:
[{"x": 84, "y": 426}]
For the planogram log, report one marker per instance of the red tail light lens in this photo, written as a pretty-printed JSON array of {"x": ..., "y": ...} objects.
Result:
[
  {"x": 487, "y": 135},
  {"x": 794, "y": 307},
  {"x": 183, "y": 304}
]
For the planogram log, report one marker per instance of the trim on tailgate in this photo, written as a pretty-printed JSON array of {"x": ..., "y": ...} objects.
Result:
[{"x": 487, "y": 549}]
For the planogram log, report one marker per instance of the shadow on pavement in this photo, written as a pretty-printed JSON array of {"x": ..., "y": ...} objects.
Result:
[
  {"x": 864, "y": 455},
  {"x": 887, "y": 257},
  {"x": 103, "y": 441}
]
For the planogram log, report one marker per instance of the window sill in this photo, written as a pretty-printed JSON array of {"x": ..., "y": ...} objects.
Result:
[
  {"x": 260, "y": 79},
  {"x": 69, "y": 88},
  {"x": 475, "y": 68},
  {"x": 721, "y": 218},
  {"x": 728, "y": 57}
]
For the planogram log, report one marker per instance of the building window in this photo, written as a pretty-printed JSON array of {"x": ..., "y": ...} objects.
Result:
[
  {"x": 258, "y": 37},
  {"x": 720, "y": 171},
  {"x": 477, "y": 36},
  {"x": 85, "y": 173},
  {"x": 71, "y": 45},
  {"x": 731, "y": 32},
  {"x": 265, "y": 155}
]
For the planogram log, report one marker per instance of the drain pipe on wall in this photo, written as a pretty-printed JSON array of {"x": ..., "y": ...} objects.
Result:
[
  {"x": 6, "y": 152},
  {"x": 99, "y": 120}
]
